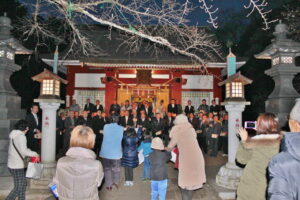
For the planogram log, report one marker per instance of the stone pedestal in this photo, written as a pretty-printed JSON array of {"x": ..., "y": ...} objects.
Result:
[
  {"x": 282, "y": 99},
  {"x": 49, "y": 107},
  {"x": 229, "y": 174}
]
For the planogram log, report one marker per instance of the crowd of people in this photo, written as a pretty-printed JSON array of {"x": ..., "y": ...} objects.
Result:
[
  {"x": 86, "y": 137},
  {"x": 210, "y": 123}
]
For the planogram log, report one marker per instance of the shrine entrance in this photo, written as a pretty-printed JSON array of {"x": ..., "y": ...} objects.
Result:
[{"x": 140, "y": 93}]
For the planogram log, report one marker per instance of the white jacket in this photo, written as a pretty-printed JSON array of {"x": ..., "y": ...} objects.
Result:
[{"x": 14, "y": 160}]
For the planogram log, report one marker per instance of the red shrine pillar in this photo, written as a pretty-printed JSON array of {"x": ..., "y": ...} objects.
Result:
[
  {"x": 176, "y": 86},
  {"x": 110, "y": 89}
]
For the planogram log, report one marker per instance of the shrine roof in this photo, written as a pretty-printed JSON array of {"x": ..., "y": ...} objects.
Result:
[{"x": 116, "y": 55}]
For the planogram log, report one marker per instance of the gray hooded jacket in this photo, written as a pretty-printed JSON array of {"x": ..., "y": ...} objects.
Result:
[{"x": 284, "y": 170}]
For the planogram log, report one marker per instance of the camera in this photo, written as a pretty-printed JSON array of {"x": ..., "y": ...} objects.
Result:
[{"x": 250, "y": 124}]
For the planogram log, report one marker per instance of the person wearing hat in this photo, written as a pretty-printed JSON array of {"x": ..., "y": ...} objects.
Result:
[
  {"x": 191, "y": 169},
  {"x": 158, "y": 169}
]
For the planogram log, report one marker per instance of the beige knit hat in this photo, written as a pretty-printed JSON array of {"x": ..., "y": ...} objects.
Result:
[{"x": 157, "y": 143}]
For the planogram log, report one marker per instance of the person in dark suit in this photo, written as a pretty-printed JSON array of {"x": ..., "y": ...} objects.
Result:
[
  {"x": 172, "y": 107},
  {"x": 194, "y": 121},
  {"x": 158, "y": 126},
  {"x": 60, "y": 129},
  {"x": 69, "y": 124},
  {"x": 96, "y": 123},
  {"x": 214, "y": 108},
  {"x": 202, "y": 133},
  {"x": 96, "y": 126},
  {"x": 169, "y": 123},
  {"x": 115, "y": 108},
  {"x": 214, "y": 137},
  {"x": 140, "y": 107},
  {"x": 126, "y": 120},
  {"x": 89, "y": 107},
  {"x": 203, "y": 107},
  {"x": 98, "y": 106},
  {"x": 143, "y": 122},
  {"x": 189, "y": 108},
  {"x": 148, "y": 110},
  {"x": 84, "y": 119},
  {"x": 35, "y": 126}
]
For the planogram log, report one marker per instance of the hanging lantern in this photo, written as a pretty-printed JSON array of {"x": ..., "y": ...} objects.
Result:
[
  {"x": 50, "y": 84},
  {"x": 235, "y": 86}
]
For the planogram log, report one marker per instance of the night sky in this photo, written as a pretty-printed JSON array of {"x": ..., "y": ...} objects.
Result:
[{"x": 198, "y": 16}]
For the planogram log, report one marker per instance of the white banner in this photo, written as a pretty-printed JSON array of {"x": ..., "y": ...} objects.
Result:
[
  {"x": 198, "y": 82},
  {"x": 89, "y": 80}
]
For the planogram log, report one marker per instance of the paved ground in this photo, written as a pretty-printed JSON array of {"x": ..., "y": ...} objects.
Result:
[{"x": 141, "y": 190}]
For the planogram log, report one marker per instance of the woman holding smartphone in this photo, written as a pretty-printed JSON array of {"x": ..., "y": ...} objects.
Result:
[{"x": 256, "y": 153}]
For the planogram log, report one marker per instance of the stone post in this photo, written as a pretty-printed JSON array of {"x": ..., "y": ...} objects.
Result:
[
  {"x": 282, "y": 99},
  {"x": 49, "y": 107},
  {"x": 229, "y": 174}
]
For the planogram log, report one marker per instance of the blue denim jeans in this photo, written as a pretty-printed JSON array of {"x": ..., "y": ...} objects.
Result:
[
  {"x": 159, "y": 189},
  {"x": 146, "y": 171}
]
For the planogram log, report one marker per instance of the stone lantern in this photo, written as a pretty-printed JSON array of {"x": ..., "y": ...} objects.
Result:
[
  {"x": 7, "y": 53},
  {"x": 49, "y": 101},
  {"x": 235, "y": 87},
  {"x": 50, "y": 84},
  {"x": 282, "y": 52},
  {"x": 235, "y": 102},
  {"x": 10, "y": 105}
]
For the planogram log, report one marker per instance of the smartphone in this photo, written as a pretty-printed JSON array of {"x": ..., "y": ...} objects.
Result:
[{"x": 250, "y": 125}]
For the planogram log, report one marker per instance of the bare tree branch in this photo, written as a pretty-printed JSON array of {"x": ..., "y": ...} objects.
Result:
[
  {"x": 164, "y": 24},
  {"x": 259, "y": 6},
  {"x": 210, "y": 10}
]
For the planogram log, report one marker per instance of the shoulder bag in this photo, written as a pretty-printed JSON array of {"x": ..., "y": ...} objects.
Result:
[{"x": 25, "y": 160}]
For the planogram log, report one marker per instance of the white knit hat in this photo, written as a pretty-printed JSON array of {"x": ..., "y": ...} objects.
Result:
[
  {"x": 181, "y": 119},
  {"x": 157, "y": 143},
  {"x": 295, "y": 112}
]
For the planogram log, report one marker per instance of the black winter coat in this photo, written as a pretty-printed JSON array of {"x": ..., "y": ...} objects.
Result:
[
  {"x": 130, "y": 153},
  {"x": 158, "y": 164}
]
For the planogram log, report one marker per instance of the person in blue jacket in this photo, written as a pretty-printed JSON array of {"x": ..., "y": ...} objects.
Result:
[
  {"x": 146, "y": 147},
  {"x": 130, "y": 158},
  {"x": 111, "y": 152},
  {"x": 284, "y": 168}
]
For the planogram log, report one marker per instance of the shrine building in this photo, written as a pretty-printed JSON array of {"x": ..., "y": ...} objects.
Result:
[{"x": 136, "y": 76}]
